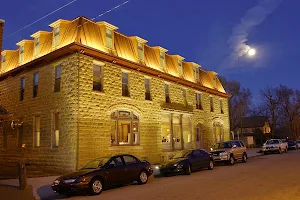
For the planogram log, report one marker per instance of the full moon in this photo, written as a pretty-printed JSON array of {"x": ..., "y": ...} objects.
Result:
[{"x": 251, "y": 52}]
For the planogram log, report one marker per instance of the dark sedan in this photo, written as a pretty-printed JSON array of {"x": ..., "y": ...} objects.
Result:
[
  {"x": 292, "y": 145},
  {"x": 103, "y": 172},
  {"x": 184, "y": 162}
]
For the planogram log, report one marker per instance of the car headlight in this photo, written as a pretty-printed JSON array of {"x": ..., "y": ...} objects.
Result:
[
  {"x": 70, "y": 180},
  {"x": 56, "y": 182},
  {"x": 224, "y": 153}
]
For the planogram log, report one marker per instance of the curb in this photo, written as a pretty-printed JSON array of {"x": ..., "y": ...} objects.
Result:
[{"x": 255, "y": 156}]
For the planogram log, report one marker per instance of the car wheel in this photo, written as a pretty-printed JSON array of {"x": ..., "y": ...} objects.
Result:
[
  {"x": 188, "y": 170},
  {"x": 231, "y": 160},
  {"x": 279, "y": 151},
  {"x": 211, "y": 165},
  {"x": 143, "y": 177},
  {"x": 286, "y": 150},
  {"x": 96, "y": 186},
  {"x": 245, "y": 158}
]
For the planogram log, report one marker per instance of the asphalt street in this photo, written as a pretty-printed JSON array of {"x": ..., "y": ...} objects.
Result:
[{"x": 268, "y": 177}]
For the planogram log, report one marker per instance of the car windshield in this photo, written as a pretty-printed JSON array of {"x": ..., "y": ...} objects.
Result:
[
  {"x": 181, "y": 154},
  {"x": 272, "y": 142},
  {"x": 225, "y": 145},
  {"x": 292, "y": 142},
  {"x": 298, "y": 142},
  {"x": 96, "y": 163}
]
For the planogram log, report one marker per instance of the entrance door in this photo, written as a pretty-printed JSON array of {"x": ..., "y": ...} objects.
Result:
[{"x": 198, "y": 137}]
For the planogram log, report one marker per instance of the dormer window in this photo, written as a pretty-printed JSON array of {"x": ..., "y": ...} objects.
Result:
[
  {"x": 56, "y": 36},
  {"x": 109, "y": 42},
  {"x": 140, "y": 51},
  {"x": 21, "y": 57},
  {"x": 162, "y": 58},
  {"x": 36, "y": 46},
  {"x": 180, "y": 71},
  {"x": 196, "y": 74},
  {"x": 3, "y": 62}
]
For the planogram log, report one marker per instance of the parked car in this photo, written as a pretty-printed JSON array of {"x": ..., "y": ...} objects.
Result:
[
  {"x": 274, "y": 146},
  {"x": 230, "y": 151},
  {"x": 103, "y": 172},
  {"x": 184, "y": 162},
  {"x": 298, "y": 144},
  {"x": 292, "y": 145}
]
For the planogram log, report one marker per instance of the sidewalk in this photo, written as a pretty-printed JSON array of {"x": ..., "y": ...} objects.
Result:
[{"x": 253, "y": 152}]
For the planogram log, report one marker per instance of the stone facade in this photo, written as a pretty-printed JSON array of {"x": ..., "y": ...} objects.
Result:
[{"x": 85, "y": 115}]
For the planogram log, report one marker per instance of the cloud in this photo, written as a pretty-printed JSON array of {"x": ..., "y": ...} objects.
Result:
[{"x": 239, "y": 37}]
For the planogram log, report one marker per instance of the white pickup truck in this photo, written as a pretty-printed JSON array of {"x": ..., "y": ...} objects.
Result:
[{"x": 275, "y": 145}]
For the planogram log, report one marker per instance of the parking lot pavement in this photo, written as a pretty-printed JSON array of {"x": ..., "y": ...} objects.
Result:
[{"x": 270, "y": 177}]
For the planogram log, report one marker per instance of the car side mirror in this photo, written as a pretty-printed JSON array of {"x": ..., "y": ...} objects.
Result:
[{"x": 234, "y": 146}]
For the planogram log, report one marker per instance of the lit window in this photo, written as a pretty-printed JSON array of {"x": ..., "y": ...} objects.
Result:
[
  {"x": 211, "y": 101},
  {"x": 37, "y": 131},
  {"x": 35, "y": 84},
  {"x": 56, "y": 36},
  {"x": 198, "y": 101},
  {"x": 221, "y": 106},
  {"x": 109, "y": 42},
  {"x": 184, "y": 96},
  {"x": 22, "y": 89},
  {"x": 167, "y": 94},
  {"x": 97, "y": 78},
  {"x": 125, "y": 86},
  {"x": 196, "y": 74},
  {"x": 55, "y": 135},
  {"x": 180, "y": 67},
  {"x": 140, "y": 51},
  {"x": 162, "y": 59},
  {"x": 36, "y": 46},
  {"x": 124, "y": 128},
  {"x": 21, "y": 58},
  {"x": 57, "y": 79},
  {"x": 3, "y": 62},
  {"x": 147, "y": 89}
]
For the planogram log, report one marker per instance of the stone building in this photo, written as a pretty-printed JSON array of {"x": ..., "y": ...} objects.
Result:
[{"x": 85, "y": 90}]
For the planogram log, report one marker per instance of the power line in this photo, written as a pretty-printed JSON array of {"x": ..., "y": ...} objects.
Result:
[
  {"x": 40, "y": 19},
  {"x": 112, "y": 9}
]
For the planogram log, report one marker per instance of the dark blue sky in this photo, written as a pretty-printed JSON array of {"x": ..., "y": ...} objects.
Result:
[{"x": 196, "y": 29}]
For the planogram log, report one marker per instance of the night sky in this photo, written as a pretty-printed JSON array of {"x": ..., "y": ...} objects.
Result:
[{"x": 198, "y": 30}]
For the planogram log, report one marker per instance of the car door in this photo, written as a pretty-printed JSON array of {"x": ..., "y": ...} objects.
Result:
[
  {"x": 238, "y": 151},
  {"x": 114, "y": 173},
  {"x": 131, "y": 168},
  {"x": 205, "y": 158},
  {"x": 197, "y": 159}
]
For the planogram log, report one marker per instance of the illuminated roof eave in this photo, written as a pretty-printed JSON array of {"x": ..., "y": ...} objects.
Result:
[{"x": 77, "y": 47}]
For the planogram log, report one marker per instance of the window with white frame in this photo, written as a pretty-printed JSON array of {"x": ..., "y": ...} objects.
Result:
[
  {"x": 198, "y": 101},
  {"x": 180, "y": 71},
  {"x": 109, "y": 39},
  {"x": 37, "y": 131},
  {"x": 162, "y": 58},
  {"x": 125, "y": 84},
  {"x": 21, "y": 56},
  {"x": 140, "y": 51},
  {"x": 36, "y": 46},
  {"x": 196, "y": 74},
  {"x": 3, "y": 62},
  {"x": 147, "y": 89},
  {"x": 55, "y": 135},
  {"x": 56, "y": 36},
  {"x": 124, "y": 128}
]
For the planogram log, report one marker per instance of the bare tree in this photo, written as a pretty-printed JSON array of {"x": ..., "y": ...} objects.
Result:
[
  {"x": 289, "y": 107},
  {"x": 270, "y": 106},
  {"x": 239, "y": 103}
]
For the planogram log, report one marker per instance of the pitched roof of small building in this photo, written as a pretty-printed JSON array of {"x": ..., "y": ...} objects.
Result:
[{"x": 253, "y": 121}]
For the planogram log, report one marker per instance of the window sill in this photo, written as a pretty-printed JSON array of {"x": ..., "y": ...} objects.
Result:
[
  {"x": 98, "y": 92},
  {"x": 136, "y": 146},
  {"x": 125, "y": 97}
]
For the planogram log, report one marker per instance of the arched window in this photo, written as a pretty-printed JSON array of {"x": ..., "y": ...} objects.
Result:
[{"x": 124, "y": 128}]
